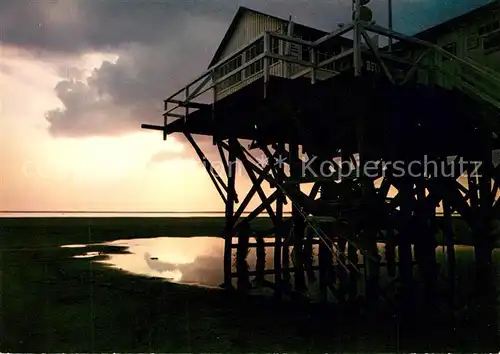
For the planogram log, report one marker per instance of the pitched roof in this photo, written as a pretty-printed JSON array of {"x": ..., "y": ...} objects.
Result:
[
  {"x": 239, "y": 14},
  {"x": 431, "y": 33},
  {"x": 450, "y": 24}
]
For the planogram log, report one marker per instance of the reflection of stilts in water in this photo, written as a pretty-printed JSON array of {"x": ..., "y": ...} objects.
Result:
[
  {"x": 243, "y": 236},
  {"x": 242, "y": 268}
]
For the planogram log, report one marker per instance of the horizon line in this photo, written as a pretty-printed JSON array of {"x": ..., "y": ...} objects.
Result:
[{"x": 110, "y": 212}]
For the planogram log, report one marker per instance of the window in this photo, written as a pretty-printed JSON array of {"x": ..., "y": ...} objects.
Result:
[
  {"x": 450, "y": 48},
  {"x": 230, "y": 81},
  {"x": 306, "y": 54},
  {"x": 275, "y": 49},
  {"x": 491, "y": 42},
  {"x": 227, "y": 68},
  {"x": 254, "y": 51},
  {"x": 250, "y": 54},
  {"x": 254, "y": 68},
  {"x": 472, "y": 43},
  {"x": 321, "y": 56},
  {"x": 489, "y": 27},
  {"x": 275, "y": 45},
  {"x": 295, "y": 51},
  {"x": 230, "y": 66}
]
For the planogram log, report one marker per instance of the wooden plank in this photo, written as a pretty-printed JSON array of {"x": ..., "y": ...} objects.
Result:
[
  {"x": 189, "y": 104},
  {"x": 153, "y": 127}
]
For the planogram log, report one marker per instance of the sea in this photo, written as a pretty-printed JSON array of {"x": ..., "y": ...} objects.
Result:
[{"x": 104, "y": 214}]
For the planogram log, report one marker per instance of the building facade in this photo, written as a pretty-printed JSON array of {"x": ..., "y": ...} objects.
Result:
[
  {"x": 474, "y": 35},
  {"x": 248, "y": 25}
]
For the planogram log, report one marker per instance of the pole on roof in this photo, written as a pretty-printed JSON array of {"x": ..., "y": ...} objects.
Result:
[
  {"x": 357, "y": 38},
  {"x": 390, "y": 24}
]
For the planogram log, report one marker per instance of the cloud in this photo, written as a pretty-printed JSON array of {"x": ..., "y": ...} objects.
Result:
[
  {"x": 118, "y": 97},
  {"x": 165, "y": 156},
  {"x": 70, "y": 26}
]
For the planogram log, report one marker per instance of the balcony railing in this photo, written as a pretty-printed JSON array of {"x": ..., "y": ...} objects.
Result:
[{"x": 331, "y": 63}]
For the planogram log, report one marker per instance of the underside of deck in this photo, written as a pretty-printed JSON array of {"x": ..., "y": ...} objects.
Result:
[{"x": 323, "y": 117}]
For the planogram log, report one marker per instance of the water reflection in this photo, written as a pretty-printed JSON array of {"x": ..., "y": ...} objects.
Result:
[
  {"x": 193, "y": 260},
  {"x": 199, "y": 260},
  {"x": 88, "y": 255},
  {"x": 74, "y": 246}
]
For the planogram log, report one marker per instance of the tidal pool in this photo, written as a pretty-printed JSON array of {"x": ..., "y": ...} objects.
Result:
[
  {"x": 186, "y": 260},
  {"x": 199, "y": 260}
]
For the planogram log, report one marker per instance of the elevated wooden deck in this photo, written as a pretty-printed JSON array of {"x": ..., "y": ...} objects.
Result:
[{"x": 322, "y": 116}]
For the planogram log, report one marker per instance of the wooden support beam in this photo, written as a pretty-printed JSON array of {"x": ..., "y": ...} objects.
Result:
[
  {"x": 315, "y": 190},
  {"x": 229, "y": 212},
  {"x": 198, "y": 89},
  {"x": 153, "y": 127},
  {"x": 449, "y": 239},
  {"x": 405, "y": 241},
  {"x": 464, "y": 61},
  {"x": 253, "y": 179},
  {"x": 375, "y": 51},
  {"x": 425, "y": 241},
  {"x": 414, "y": 67},
  {"x": 250, "y": 156},
  {"x": 189, "y": 104},
  {"x": 483, "y": 236},
  {"x": 214, "y": 176},
  {"x": 252, "y": 191},
  {"x": 278, "y": 173},
  {"x": 334, "y": 34},
  {"x": 175, "y": 115},
  {"x": 257, "y": 211},
  {"x": 290, "y": 39},
  {"x": 267, "y": 62},
  {"x": 270, "y": 244},
  {"x": 223, "y": 158},
  {"x": 243, "y": 281},
  {"x": 279, "y": 234},
  {"x": 254, "y": 168},
  {"x": 298, "y": 222}
]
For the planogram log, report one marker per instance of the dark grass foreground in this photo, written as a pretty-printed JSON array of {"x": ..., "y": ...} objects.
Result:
[{"x": 53, "y": 303}]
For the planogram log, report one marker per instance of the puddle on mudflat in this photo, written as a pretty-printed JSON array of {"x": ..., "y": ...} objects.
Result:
[
  {"x": 88, "y": 255},
  {"x": 199, "y": 260},
  {"x": 74, "y": 246},
  {"x": 186, "y": 260}
]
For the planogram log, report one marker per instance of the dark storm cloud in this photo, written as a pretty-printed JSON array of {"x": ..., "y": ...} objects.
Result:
[
  {"x": 71, "y": 26},
  {"x": 119, "y": 96},
  {"x": 161, "y": 46}
]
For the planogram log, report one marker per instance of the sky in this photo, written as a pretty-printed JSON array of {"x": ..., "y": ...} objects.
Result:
[{"x": 78, "y": 77}]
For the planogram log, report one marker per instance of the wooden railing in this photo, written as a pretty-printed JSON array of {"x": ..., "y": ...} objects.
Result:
[{"x": 185, "y": 98}]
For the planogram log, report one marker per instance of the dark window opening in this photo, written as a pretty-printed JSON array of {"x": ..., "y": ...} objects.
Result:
[
  {"x": 254, "y": 68},
  {"x": 472, "y": 43},
  {"x": 489, "y": 27},
  {"x": 450, "y": 48},
  {"x": 492, "y": 42},
  {"x": 227, "y": 68}
]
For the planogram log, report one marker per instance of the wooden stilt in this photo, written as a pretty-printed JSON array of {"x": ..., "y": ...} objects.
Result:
[
  {"x": 279, "y": 233},
  {"x": 425, "y": 243},
  {"x": 325, "y": 267},
  {"x": 308, "y": 255},
  {"x": 450, "y": 247},
  {"x": 298, "y": 225},
  {"x": 243, "y": 282},
  {"x": 261, "y": 260},
  {"x": 404, "y": 251},
  {"x": 228, "y": 234}
]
